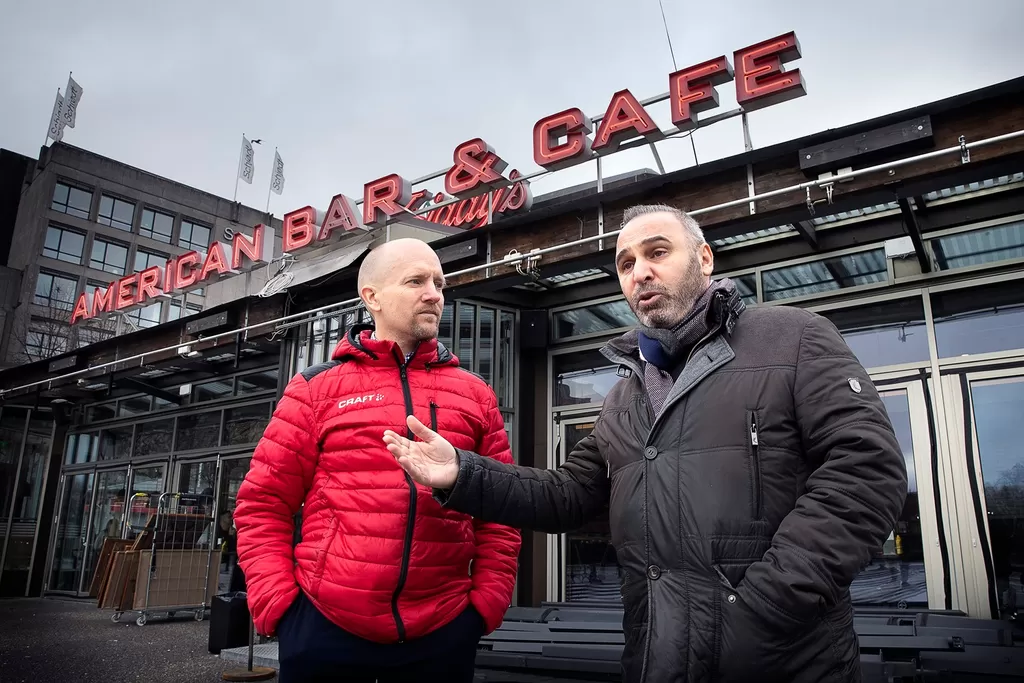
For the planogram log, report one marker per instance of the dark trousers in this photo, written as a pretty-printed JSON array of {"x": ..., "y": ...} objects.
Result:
[{"x": 312, "y": 649}]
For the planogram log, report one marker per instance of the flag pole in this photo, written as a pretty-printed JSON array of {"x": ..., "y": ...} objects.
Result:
[
  {"x": 270, "y": 185},
  {"x": 238, "y": 173}
]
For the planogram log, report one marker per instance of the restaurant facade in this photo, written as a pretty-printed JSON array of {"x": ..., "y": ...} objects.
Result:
[{"x": 906, "y": 231}]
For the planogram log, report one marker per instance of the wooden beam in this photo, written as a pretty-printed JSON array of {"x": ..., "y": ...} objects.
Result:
[{"x": 914, "y": 230}]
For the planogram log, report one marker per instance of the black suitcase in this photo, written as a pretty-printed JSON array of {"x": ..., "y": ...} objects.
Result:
[{"x": 229, "y": 622}]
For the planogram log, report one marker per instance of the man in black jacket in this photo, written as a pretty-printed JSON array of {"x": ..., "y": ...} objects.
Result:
[{"x": 749, "y": 466}]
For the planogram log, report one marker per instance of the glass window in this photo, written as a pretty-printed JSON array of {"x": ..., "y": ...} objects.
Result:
[
  {"x": 101, "y": 411},
  {"x": 504, "y": 387},
  {"x": 257, "y": 382},
  {"x": 827, "y": 275},
  {"x": 467, "y": 329},
  {"x": 116, "y": 443},
  {"x": 117, "y": 213},
  {"x": 746, "y": 286},
  {"x": 136, "y": 405},
  {"x": 148, "y": 316},
  {"x": 998, "y": 406},
  {"x": 610, "y": 315},
  {"x": 486, "y": 360},
  {"x": 71, "y": 200},
  {"x": 978, "y": 247},
  {"x": 245, "y": 425},
  {"x": 194, "y": 236},
  {"x": 887, "y": 333},
  {"x": 64, "y": 245},
  {"x": 91, "y": 335},
  {"x": 46, "y": 338},
  {"x": 109, "y": 256},
  {"x": 445, "y": 333},
  {"x": 583, "y": 377},
  {"x": 147, "y": 259},
  {"x": 198, "y": 431},
  {"x": 55, "y": 291},
  {"x": 81, "y": 448},
  {"x": 156, "y": 225},
  {"x": 153, "y": 438},
  {"x": 979, "y": 319},
  {"x": 174, "y": 312},
  {"x": 208, "y": 391},
  {"x": 12, "y": 435}
]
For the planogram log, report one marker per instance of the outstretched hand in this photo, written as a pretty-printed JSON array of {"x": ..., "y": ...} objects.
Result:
[{"x": 430, "y": 461}]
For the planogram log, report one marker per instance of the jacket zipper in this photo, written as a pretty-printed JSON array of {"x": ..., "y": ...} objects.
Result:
[
  {"x": 755, "y": 464},
  {"x": 410, "y": 523},
  {"x": 433, "y": 416}
]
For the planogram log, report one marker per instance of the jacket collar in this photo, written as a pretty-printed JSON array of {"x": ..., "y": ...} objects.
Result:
[{"x": 359, "y": 344}]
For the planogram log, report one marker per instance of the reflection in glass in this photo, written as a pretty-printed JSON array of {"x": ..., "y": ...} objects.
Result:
[
  {"x": 106, "y": 520},
  {"x": 12, "y": 436},
  {"x": 81, "y": 448},
  {"x": 610, "y": 315},
  {"x": 486, "y": 363},
  {"x": 979, "y": 247},
  {"x": 998, "y": 408},
  {"x": 886, "y": 333},
  {"x": 582, "y": 377},
  {"x": 826, "y": 275},
  {"x": 592, "y": 569},
  {"x": 445, "y": 333},
  {"x": 116, "y": 443},
  {"x": 234, "y": 471},
  {"x": 208, "y": 391},
  {"x": 255, "y": 383},
  {"x": 504, "y": 387},
  {"x": 154, "y": 438},
  {"x": 979, "y": 319},
  {"x": 27, "y": 499},
  {"x": 69, "y": 546},
  {"x": 197, "y": 431},
  {"x": 147, "y": 485},
  {"x": 137, "y": 405},
  {"x": 245, "y": 425},
  {"x": 467, "y": 328},
  {"x": 103, "y": 411},
  {"x": 896, "y": 573},
  {"x": 746, "y": 286}
]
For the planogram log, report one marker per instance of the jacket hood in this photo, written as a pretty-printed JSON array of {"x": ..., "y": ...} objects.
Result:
[{"x": 358, "y": 344}]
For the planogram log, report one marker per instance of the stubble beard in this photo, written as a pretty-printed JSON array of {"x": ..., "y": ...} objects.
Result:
[{"x": 674, "y": 306}]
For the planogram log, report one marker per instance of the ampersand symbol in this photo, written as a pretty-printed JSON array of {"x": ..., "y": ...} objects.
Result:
[{"x": 476, "y": 165}]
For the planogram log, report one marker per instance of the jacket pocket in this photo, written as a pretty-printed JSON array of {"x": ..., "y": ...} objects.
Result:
[
  {"x": 321, "y": 559},
  {"x": 753, "y": 447}
]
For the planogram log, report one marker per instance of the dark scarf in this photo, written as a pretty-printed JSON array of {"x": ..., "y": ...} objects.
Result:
[{"x": 664, "y": 349}]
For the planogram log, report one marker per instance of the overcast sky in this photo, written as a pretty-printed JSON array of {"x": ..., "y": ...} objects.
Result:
[{"x": 349, "y": 95}]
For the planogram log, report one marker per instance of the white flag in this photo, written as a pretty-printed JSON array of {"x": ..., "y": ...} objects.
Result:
[
  {"x": 56, "y": 131},
  {"x": 277, "y": 180},
  {"x": 246, "y": 166},
  {"x": 72, "y": 96}
]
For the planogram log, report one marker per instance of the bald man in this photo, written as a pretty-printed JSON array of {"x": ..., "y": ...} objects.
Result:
[{"x": 386, "y": 585}]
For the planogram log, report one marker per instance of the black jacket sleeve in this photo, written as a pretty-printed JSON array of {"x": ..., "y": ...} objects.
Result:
[
  {"x": 852, "y": 499},
  {"x": 551, "y": 501}
]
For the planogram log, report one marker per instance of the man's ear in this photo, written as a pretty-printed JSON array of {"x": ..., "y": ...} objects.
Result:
[
  {"x": 369, "y": 296},
  {"x": 707, "y": 260}
]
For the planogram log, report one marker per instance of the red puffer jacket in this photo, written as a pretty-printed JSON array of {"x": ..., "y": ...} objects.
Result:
[{"x": 378, "y": 556}]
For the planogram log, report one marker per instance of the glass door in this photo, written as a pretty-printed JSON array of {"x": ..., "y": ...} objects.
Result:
[
  {"x": 587, "y": 566},
  {"x": 107, "y": 518},
  {"x": 990, "y": 409},
  {"x": 147, "y": 483},
  {"x": 72, "y": 530},
  {"x": 232, "y": 474},
  {"x": 907, "y": 571}
]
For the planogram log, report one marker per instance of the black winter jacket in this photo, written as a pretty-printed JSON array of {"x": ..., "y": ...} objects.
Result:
[{"x": 740, "y": 514}]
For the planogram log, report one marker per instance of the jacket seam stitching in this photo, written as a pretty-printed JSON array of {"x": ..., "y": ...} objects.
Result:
[{"x": 847, "y": 425}]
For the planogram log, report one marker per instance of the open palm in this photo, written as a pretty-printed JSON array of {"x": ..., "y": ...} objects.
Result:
[{"x": 431, "y": 461}]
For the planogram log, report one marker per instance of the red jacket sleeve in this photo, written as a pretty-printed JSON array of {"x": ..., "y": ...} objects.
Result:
[
  {"x": 280, "y": 474},
  {"x": 497, "y": 546}
]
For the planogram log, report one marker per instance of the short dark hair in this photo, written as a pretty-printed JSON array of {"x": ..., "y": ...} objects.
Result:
[{"x": 690, "y": 225}]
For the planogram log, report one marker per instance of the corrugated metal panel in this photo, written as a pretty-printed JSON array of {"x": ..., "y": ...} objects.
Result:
[
  {"x": 746, "y": 237},
  {"x": 855, "y": 213},
  {"x": 816, "y": 277},
  {"x": 974, "y": 187},
  {"x": 979, "y": 247}
]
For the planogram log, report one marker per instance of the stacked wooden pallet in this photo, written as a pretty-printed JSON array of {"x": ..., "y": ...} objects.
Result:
[{"x": 117, "y": 570}]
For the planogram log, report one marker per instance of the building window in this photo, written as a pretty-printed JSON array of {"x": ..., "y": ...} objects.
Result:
[
  {"x": 977, "y": 320},
  {"x": 64, "y": 245},
  {"x": 117, "y": 213},
  {"x": 109, "y": 256},
  {"x": 194, "y": 236},
  {"x": 257, "y": 382},
  {"x": 746, "y": 287},
  {"x": 603, "y": 317},
  {"x": 979, "y": 247},
  {"x": 174, "y": 312},
  {"x": 72, "y": 200},
  {"x": 55, "y": 291},
  {"x": 887, "y": 333},
  {"x": 582, "y": 377},
  {"x": 147, "y": 259},
  {"x": 46, "y": 338},
  {"x": 827, "y": 275},
  {"x": 198, "y": 431},
  {"x": 156, "y": 225},
  {"x": 116, "y": 443},
  {"x": 92, "y": 335},
  {"x": 153, "y": 438},
  {"x": 145, "y": 317},
  {"x": 245, "y": 425}
]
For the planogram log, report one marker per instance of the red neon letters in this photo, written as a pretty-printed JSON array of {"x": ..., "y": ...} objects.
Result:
[
  {"x": 760, "y": 79},
  {"x": 692, "y": 90},
  {"x": 624, "y": 119},
  {"x": 387, "y": 194},
  {"x": 572, "y": 124},
  {"x": 179, "y": 273},
  {"x": 477, "y": 169}
]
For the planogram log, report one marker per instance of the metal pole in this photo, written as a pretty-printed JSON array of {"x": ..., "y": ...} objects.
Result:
[
  {"x": 519, "y": 257},
  {"x": 238, "y": 171},
  {"x": 270, "y": 185}
]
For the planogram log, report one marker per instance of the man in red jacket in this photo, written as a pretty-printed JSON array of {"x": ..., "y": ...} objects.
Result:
[{"x": 385, "y": 585}]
